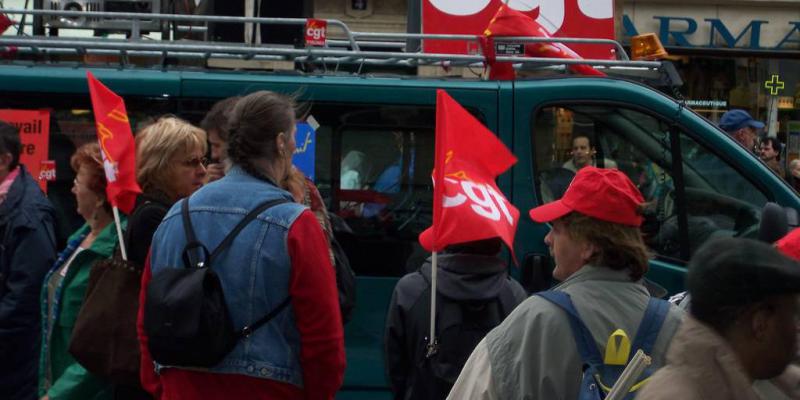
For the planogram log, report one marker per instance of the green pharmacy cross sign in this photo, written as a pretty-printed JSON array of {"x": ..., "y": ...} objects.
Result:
[{"x": 775, "y": 85}]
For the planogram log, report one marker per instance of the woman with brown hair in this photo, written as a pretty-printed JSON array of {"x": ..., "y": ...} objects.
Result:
[
  {"x": 60, "y": 376},
  {"x": 278, "y": 266}
]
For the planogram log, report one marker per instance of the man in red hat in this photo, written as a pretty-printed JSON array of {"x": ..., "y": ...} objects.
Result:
[{"x": 601, "y": 259}]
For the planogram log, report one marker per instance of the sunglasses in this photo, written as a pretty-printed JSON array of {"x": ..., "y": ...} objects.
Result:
[{"x": 195, "y": 162}]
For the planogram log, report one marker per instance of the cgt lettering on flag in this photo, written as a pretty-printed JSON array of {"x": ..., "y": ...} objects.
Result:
[{"x": 481, "y": 198}]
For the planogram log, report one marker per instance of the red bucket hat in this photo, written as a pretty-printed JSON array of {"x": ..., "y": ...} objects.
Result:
[{"x": 604, "y": 194}]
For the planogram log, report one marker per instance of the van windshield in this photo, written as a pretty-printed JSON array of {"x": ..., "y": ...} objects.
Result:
[{"x": 719, "y": 200}]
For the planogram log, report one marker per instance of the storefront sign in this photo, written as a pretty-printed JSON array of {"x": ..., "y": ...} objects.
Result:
[
  {"x": 707, "y": 103},
  {"x": 305, "y": 154},
  {"x": 774, "y": 85},
  {"x": 34, "y": 134},
  {"x": 705, "y": 26},
  {"x": 561, "y": 18}
]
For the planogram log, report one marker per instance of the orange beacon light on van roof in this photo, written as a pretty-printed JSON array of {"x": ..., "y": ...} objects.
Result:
[{"x": 647, "y": 47}]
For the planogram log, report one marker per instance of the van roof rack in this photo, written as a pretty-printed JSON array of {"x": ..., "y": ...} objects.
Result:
[{"x": 347, "y": 47}]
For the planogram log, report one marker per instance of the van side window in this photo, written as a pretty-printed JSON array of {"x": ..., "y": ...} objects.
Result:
[
  {"x": 567, "y": 138},
  {"x": 373, "y": 166}
]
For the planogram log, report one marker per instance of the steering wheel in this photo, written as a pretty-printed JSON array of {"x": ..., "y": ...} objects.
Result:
[
  {"x": 703, "y": 202},
  {"x": 709, "y": 214},
  {"x": 746, "y": 216}
]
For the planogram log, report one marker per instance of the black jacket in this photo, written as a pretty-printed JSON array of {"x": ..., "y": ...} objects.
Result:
[
  {"x": 27, "y": 251},
  {"x": 150, "y": 209},
  {"x": 460, "y": 277}
]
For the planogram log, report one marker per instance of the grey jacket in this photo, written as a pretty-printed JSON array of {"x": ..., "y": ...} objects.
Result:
[{"x": 532, "y": 354}]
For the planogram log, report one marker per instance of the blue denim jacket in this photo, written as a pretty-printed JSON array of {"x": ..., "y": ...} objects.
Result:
[{"x": 254, "y": 271}]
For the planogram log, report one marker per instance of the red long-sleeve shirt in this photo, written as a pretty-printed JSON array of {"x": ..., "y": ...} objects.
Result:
[{"x": 312, "y": 287}]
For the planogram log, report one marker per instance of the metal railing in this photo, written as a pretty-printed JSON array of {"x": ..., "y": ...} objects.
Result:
[{"x": 346, "y": 48}]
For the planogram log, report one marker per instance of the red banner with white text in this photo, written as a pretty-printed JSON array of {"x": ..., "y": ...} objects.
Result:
[
  {"x": 560, "y": 18},
  {"x": 34, "y": 134},
  {"x": 467, "y": 204}
]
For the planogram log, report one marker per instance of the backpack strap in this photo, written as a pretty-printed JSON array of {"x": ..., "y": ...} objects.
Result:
[
  {"x": 248, "y": 329},
  {"x": 193, "y": 243},
  {"x": 191, "y": 239},
  {"x": 649, "y": 328},
  {"x": 242, "y": 224},
  {"x": 584, "y": 341}
]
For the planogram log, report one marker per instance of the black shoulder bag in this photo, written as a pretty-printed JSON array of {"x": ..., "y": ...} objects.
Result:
[{"x": 185, "y": 317}]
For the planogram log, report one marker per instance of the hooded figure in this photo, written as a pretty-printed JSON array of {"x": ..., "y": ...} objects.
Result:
[{"x": 475, "y": 294}]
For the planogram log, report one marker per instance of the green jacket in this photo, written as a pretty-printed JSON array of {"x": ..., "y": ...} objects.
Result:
[{"x": 68, "y": 379}]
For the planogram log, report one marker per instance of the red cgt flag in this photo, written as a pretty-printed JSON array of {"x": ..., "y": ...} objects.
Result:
[
  {"x": 467, "y": 204},
  {"x": 510, "y": 22},
  {"x": 116, "y": 144}
]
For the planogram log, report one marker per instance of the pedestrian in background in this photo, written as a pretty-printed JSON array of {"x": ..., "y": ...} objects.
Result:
[
  {"x": 769, "y": 150},
  {"x": 27, "y": 251},
  {"x": 299, "y": 354},
  {"x": 741, "y": 127},
  {"x": 215, "y": 124},
  {"x": 600, "y": 258},
  {"x": 742, "y": 323},
  {"x": 60, "y": 376}
]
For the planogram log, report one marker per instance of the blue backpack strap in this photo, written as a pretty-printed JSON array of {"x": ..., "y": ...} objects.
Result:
[
  {"x": 653, "y": 320},
  {"x": 583, "y": 338}
]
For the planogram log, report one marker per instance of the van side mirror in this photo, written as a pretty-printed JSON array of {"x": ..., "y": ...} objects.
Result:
[{"x": 536, "y": 273}]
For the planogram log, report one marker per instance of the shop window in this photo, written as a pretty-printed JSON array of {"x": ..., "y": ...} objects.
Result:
[{"x": 719, "y": 201}]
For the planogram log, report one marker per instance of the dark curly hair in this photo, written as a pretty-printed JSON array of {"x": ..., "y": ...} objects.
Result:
[
  {"x": 217, "y": 118},
  {"x": 255, "y": 122},
  {"x": 10, "y": 143}
]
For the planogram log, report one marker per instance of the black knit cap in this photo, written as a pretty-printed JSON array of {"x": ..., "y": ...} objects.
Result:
[{"x": 734, "y": 272}]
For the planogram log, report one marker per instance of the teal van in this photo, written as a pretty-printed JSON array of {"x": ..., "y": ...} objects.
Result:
[{"x": 698, "y": 182}]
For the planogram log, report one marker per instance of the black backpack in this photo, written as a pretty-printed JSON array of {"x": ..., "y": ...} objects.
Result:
[
  {"x": 345, "y": 280},
  {"x": 185, "y": 315},
  {"x": 460, "y": 326}
]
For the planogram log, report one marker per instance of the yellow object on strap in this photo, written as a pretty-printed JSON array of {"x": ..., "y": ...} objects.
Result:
[{"x": 618, "y": 348}]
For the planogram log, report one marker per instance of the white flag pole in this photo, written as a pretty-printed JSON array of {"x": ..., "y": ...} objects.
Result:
[
  {"x": 119, "y": 234},
  {"x": 432, "y": 343}
]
